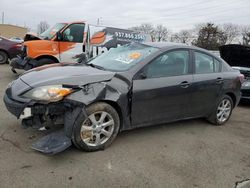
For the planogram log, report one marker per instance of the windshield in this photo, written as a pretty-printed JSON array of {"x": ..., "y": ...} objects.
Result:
[
  {"x": 123, "y": 58},
  {"x": 50, "y": 33}
]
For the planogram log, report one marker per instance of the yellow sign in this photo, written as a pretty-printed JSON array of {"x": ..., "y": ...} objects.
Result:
[{"x": 135, "y": 55}]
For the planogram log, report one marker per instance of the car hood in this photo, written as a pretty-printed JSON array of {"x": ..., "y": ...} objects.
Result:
[
  {"x": 236, "y": 55},
  {"x": 68, "y": 75},
  {"x": 31, "y": 36}
]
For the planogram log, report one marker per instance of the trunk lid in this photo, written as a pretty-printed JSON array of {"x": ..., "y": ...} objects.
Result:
[{"x": 237, "y": 56}]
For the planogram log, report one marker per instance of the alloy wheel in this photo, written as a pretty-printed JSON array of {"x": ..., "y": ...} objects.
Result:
[
  {"x": 97, "y": 128},
  {"x": 224, "y": 110}
]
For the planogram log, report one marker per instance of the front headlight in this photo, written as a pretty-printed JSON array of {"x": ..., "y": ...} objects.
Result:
[{"x": 51, "y": 93}]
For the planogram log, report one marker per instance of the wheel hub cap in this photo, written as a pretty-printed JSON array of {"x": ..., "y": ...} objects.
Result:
[
  {"x": 224, "y": 110},
  {"x": 97, "y": 128}
]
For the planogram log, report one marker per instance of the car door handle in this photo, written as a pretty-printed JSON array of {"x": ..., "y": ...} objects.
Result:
[
  {"x": 219, "y": 80},
  {"x": 185, "y": 84}
]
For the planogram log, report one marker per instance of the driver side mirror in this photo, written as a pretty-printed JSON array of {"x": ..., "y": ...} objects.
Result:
[
  {"x": 142, "y": 76},
  {"x": 59, "y": 36}
]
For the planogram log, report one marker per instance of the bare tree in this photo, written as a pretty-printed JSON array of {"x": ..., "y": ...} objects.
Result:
[
  {"x": 206, "y": 35},
  {"x": 184, "y": 36},
  {"x": 145, "y": 28},
  {"x": 42, "y": 26},
  {"x": 161, "y": 33},
  {"x": 245, "y": 33},
  {"x": 230, "y": 32}
]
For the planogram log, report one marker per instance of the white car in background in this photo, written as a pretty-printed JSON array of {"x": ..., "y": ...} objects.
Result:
[{"x": 17, "y": 39}]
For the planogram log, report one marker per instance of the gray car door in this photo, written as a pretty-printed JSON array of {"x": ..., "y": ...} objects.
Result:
[
  {"x": 161, "y": 93},
  {"x": 207, "y": 84}
]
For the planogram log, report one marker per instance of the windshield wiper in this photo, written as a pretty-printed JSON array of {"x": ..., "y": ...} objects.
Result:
[{"x": 96, "y": 66}]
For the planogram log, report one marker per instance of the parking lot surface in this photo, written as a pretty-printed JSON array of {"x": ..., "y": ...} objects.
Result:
[{"x": 186, "y": 154}]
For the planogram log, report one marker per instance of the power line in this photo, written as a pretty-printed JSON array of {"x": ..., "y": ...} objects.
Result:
[
  {"x": 214, "y": 13},
  {"x": 216, "y": 10},
  {"x": 197, "y": 9},
  {"x": 169, "y": 10},
  {"x": 228, "y": 19}
]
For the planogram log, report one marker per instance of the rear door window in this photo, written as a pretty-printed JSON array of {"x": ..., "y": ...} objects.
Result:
[{"x": 205, "y": 63}]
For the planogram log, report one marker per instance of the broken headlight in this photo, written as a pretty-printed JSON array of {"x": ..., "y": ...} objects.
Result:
[{"x": 51, "y": 93}]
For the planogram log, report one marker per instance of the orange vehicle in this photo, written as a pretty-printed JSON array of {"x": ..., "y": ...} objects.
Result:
[{"x": 64, "y": 41}]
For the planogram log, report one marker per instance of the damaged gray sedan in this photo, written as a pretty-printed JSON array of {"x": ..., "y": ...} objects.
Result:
[{"x": 131, "y": 86}]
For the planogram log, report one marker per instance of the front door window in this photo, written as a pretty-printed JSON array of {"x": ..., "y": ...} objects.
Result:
[
  {"x": 173, "y": 63},
  {"x": 71, "y": 43},
  {"x": 74, "y": 33}
]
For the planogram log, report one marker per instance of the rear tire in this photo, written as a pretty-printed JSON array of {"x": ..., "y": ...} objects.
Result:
[
  {"x": 98, "y": 130},
  {"x": 3, "y": 57},
  {"x": 44, "y": 61},
  {"x": 222, "y": 112}
]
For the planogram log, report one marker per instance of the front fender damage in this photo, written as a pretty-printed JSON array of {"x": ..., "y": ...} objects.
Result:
[
  {"x": 102, "y": 91},
  {"x": 116, "y": 92},
  {"x": 60, "y": 140},
  {"x": 95, "y": 92}
]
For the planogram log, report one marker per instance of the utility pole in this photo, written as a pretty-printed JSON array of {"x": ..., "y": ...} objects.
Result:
[
  {"x": 2, "y": 17},
  {"x": 99, "y": 21}
]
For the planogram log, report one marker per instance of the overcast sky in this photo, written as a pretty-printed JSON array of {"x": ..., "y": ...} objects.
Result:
[{"x": 174, "y": 14}]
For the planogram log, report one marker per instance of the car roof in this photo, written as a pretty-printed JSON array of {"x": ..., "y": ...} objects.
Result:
[
  {"x": 169, "y": 45},
  {"x": 165, "y": 44}
]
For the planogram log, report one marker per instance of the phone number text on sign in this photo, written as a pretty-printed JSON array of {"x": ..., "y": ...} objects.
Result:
[{"x": 130, "y": 36}]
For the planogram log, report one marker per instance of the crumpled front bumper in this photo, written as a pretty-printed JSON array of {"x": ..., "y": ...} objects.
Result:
[
  {"x": 14, "y": 107},
  {"x": 56, "y": 141},
  {"x": 25, "y": 63}
]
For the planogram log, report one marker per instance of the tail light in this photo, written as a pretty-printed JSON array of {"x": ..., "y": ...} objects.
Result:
[{"x": 241, "y": 78}]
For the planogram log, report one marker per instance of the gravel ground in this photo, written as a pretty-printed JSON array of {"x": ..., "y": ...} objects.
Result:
[{"x": 184, "y": 154}]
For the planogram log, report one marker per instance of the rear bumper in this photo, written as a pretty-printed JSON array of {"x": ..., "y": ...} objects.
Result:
[{"x": 245, "y": 98}]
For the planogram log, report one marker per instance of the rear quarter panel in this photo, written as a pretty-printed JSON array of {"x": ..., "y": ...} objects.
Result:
[{"x": 232, "y": 84}]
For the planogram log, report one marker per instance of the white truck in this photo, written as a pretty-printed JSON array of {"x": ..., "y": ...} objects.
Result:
[{"x": 64, "y": 41}]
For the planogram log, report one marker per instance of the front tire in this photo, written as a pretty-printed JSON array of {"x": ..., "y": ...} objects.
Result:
[
  {"x": 98, "y": 130},
  {"x": 222, "y": 111},
  {"x": 44, "y": 61},
  {"x": 3, "y": 57}
]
